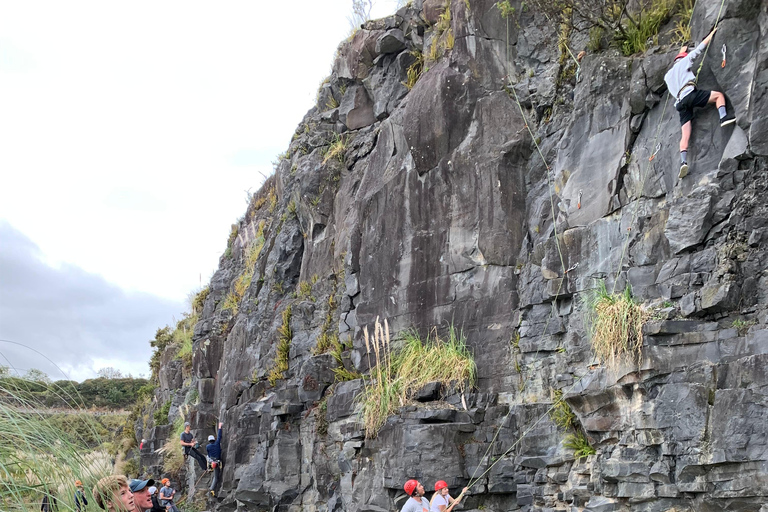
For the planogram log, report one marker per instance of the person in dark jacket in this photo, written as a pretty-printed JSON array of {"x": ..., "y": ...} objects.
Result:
[
  {"x": 49, "y": 503},
  {"x": 80, "y": 501},
  {"x": 155, "y": 503},
  {"x": 214, "y": 458}
]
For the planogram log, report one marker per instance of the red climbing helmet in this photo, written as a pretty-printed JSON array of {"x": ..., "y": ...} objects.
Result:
[
  {"x": 440, "y": 484},
  {"x": 680, "y": 55},
  {"x": 410, "y": 486}
]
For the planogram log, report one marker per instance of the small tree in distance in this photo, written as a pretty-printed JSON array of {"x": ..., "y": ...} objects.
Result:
[
  {"x": 361, "y": 12},
  {"x": 109, "y": 373},
  {"x": 35, "y": 375}
]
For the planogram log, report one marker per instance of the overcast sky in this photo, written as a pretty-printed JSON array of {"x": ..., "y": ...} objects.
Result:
[{"x": 130, "y": 134}]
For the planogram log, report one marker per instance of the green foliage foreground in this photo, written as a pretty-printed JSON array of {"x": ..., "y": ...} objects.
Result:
[{"x": 44, "y": 454}]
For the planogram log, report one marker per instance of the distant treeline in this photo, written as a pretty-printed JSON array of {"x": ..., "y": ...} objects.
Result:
[{"x": 119, "y": 393}]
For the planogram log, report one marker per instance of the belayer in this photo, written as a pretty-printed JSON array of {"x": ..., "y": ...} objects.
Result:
[
  {"x": 416, "y": 502},
  {"x": 442, "y": 501},
  {"x": 681, "y": 83},
  {"x": 189, "y": 443}
]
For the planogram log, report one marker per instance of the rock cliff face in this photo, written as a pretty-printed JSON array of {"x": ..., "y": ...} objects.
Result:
[{"x": 438, "y": 208}]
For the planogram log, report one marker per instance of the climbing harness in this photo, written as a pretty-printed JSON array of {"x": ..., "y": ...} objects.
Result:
[
  {"x": 655, "y": 152},
  {"x": 723, "y": 50}
]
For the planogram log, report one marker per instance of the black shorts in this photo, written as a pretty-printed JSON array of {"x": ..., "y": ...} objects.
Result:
[{"x": 697, "y": 98}]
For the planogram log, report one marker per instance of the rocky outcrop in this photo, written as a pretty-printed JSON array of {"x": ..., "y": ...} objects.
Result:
[{"x": 434, "y": 206}]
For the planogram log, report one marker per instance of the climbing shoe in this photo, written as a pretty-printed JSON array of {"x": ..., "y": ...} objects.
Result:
[
  {"x": 683, "y": 171},
  {"x": 213, "y": 494},
  {"x": 728, "y": 119}
]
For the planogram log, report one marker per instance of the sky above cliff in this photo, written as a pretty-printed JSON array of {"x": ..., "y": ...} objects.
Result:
[{"x": 130, "y": 136}]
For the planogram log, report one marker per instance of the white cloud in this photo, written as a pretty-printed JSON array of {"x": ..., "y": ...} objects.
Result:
[
  {"x": 133, "y": 130},
  {"x": 68, "y": 322}
]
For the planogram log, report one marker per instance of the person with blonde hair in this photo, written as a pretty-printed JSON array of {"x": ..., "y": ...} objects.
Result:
[
  {"x": 113, "y": 494},
  {"x": 441, "y": 500}
]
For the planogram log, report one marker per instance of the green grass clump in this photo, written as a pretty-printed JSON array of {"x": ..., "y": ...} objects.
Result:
[
  {"x": 335, "y": 151},
  {"x": 415, "y": 70},
  {"x": 161, "y": 414},
  {"x": 444, "y": 20},
  {"x": 232, "y": 237},
  {"x": 173, "y": 455},
  {"x": 231, "y": 302},
  {"x": 682, "y": 31},
  {"x": 284, "y": 337},
  {"x": 615, "y": 324},
  {"x": 561, "y": 413},
  {"x": 182, "y": 338},
  {"x": 579, "y": 443},
  {"x": 595, "y": 43},
  {"x": 304, "y": 291},
  {"x": 644, "y": 26},
  {"x": 243, "y": 281},
  {"x": 198, "y": 300},
  {"x": 505, "y": 8},
  {"x": 321, "y": 421},
  {"x": 398, "y": 374}
]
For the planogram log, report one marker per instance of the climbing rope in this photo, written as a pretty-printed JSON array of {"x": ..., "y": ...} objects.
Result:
[
  {"x": 657, "y": 146},
  {"x": 182, "y": 500},
  {"x": 704, "y": 57},
  {"x": 473, "y": 480}
]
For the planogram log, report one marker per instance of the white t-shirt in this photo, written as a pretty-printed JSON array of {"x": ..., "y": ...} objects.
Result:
[
  {"x": 413, "y": 506},
  {"x": 440, "y": 500}
]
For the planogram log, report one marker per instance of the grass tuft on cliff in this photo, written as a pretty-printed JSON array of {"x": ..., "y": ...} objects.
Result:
[
  {"x": 284, "y": 337},
  {"x": 414, "y": 70},
  {"x": 401, "y": 372},
  {"x": 336, "y": 150},
  {"x": 615, "y": 324},
  {"x": 579, "y": 443}
]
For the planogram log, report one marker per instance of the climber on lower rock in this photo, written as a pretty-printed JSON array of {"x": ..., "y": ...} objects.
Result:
[
  {"x": 214, "y": 458},
  {"x": 681, "y": 82}
]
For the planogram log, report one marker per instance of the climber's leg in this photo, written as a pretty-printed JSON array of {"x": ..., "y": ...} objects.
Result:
[
  {"x": 685, "y": 137},
  {"x": 718, "y": 99}
]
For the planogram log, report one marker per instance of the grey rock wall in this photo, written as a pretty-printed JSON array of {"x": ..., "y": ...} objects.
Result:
[{"x": 441, "y": 210}]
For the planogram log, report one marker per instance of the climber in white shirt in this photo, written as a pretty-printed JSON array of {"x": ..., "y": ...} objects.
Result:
[{"x": 681, "y": 83}]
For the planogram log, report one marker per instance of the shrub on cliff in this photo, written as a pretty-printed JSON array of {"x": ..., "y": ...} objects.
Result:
[
  {"x": 631, "y": 23},
  {"x": 615, "y": 323},
  {"x": 400, "y": 373}
]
